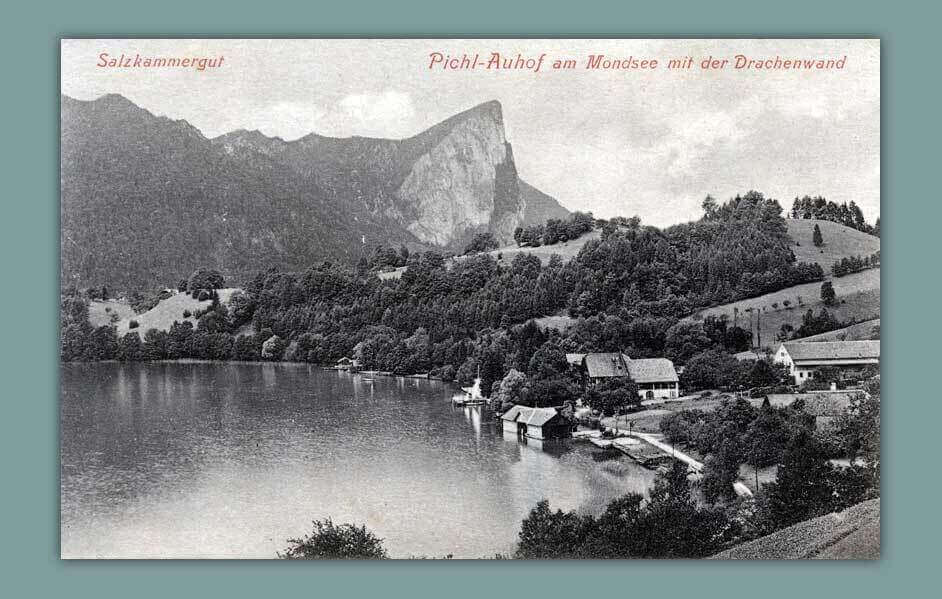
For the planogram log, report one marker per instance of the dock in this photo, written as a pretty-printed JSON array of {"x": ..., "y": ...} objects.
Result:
[{"x": 649, "y": 451}]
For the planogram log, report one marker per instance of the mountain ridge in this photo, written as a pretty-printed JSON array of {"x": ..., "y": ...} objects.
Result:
[{"x": 244, "y": 201}]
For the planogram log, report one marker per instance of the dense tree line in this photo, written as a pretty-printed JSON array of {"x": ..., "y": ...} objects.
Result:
[
  {"x": 819, "y": 208},
  {"x": 738, "y": 250},
  {"x": 815, "y": 324},
  {"x": 555, "y": 230},
  {"x": 718, "y": 369},
  {"x": 629, "y": 291},
  {"x": 668, "y": 524},
  {"x": 851, "y": 264},
  {"x": 481, "y": 242}
]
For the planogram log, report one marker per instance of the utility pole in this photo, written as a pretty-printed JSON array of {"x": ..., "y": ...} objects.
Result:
[{"x": 759, "y": 327}]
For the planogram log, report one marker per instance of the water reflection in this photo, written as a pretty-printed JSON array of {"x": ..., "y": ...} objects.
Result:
[{"x": 229, "y": 460}]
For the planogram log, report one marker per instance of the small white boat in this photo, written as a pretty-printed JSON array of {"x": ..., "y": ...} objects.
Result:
[{"x": 472, "y": 395}]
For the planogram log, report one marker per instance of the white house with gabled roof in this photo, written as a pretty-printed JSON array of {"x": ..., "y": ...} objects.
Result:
[{"x": 804, "y": 358}]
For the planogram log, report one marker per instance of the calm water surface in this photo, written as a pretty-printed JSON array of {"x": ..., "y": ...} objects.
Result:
[{"x": 229, "y": 460}]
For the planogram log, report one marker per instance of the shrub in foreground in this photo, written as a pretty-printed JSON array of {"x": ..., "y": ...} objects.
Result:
[{"x": 336, "y": 541}]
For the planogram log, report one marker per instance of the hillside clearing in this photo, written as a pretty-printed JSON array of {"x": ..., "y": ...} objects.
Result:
[
  {"x": 566, "y": 250},
  {"x": 858, "y": 297},
  {"x": 857, "y": 332},
  {"x": 160, "y": 317},
  {"x": 839, "y": 242}
]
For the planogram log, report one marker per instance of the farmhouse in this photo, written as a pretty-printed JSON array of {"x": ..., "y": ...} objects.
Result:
[
  {"x": 536, "y": 423},
  {"x": 655, "y": 377},
  {"x": 803, "y": 359}
]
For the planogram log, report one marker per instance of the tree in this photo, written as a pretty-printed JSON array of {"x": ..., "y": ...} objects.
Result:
[
  {"x": 858, "y": 429},
  {"x": 816, "y": 236},
  {"x": 827, "y": 293},
  {"x": 803, "y": 488},
  {"x": 611, "y": 395},
  {"x": 481, "y": 242},
  {"x": 336, "y": 541},
  {"x": 273, "y": 348},
  {"x": 721, "y": 471},
  {"x": 545, "y": 534},
  {"x": 712, "y": 369},
  {"x": 205, "y": 278},
  {"x": 766, "y": 438},
  {"x": 129, "y": 347},
  {"x": 709, "y": 206},
  {"x": 685, "y": 339},
  {"x": 511, "y": 388},
  {"x": 672, "y": 526},
  {"x": 763, "y": 374}
]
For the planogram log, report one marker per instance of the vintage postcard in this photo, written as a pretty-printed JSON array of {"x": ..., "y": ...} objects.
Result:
[{"x": 470, "y": 298}]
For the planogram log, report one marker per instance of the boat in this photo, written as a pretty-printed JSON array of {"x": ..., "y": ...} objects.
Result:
[{"x": 472, "y": 395}]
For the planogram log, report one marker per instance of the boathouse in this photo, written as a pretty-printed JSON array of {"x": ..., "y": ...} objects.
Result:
[{"x": 536, "y": 423}]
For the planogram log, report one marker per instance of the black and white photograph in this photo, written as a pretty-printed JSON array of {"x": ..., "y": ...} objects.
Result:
[{"x": 470, "y": 299}]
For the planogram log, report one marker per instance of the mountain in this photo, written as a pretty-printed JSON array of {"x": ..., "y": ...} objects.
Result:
[
  {"x": 539, "y": 206},
  {"x": 147, "y": 199}
]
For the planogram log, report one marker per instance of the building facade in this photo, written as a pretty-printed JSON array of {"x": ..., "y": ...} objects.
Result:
[
  {"x": 804, "y": 359},
  {"x": 536, "y": 423},
  {"x": 656, "y": 377}
]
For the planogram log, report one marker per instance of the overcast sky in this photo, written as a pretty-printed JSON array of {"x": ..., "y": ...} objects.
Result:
[{"x": 651, "y": 143}]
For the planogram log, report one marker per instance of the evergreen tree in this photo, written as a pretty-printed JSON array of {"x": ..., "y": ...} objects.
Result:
[
  {"x": 816, "y": 236},
  {"x": 827, "y": 293},
  {"x": 803, "y": 488}
]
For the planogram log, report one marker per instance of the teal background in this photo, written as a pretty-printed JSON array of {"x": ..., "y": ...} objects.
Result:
[{"x": 29, "y": 244}]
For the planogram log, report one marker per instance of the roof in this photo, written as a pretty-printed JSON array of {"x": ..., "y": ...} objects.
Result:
[
  {"x": 832, "y": 350},
  {"x": 606, "y": 365},
  {"x": 642, "y": 370},
  {"x": 530, "y": 416},
  {"x": 652, "y": 370},
  {"x": 575, "y": 359}
]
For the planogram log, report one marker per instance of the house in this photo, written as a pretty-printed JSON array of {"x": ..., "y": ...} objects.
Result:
[
  {"x": 656, "y": 377},
  {"x": 575, "y": 359},
  {"x": 803, "y": 358},
  {"x": 536, "y": 423}
]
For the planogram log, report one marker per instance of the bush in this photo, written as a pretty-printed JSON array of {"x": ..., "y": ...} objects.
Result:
[
  {"x": 187, "y": 314},
  {"x": 133, "y": 324},
  {"x": 336, "y": 541},
  {"x": 204, "y": 278}
]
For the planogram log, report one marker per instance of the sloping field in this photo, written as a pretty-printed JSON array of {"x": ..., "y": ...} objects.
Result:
[
  {"x": 858, "y": 332},
  {"x": 559, "y": 321},
  {"x": 858, "y": 297},
  {"x": 839, "y": 242},
  {"x": 99, "y": 312},
  {"x": 566, "y": 250},
  {"x": 851, "y": 534},
  {"x": 159, "y": 317}
]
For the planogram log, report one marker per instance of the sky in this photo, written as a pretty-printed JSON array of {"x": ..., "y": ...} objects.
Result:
[{"x": 625, "y": 142}]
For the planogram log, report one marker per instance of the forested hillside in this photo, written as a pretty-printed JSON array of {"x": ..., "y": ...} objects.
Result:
[{"x": 630, "y": 290}]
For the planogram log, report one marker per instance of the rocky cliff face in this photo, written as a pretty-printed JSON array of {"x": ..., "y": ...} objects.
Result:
[
  {"x": 146, "y": 199},
  {"x": 467, "y": 182}
]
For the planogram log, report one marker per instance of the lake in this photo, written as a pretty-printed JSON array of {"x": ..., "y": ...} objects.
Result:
[{"x": 228, "y": 460}]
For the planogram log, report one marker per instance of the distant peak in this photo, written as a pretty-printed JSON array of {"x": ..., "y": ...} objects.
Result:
[
  {"x": 115, "y": 100},
  {"x": 490, "y": 108}
]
